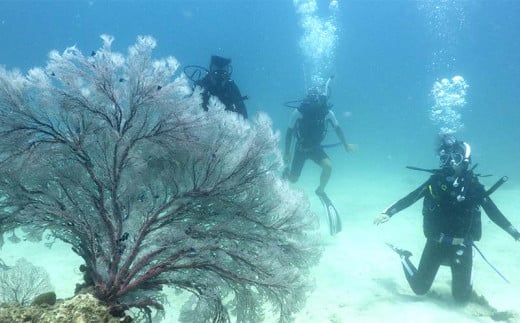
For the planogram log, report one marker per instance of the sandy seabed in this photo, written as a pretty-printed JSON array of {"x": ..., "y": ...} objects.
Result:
[{"x": 359, "y": 279}]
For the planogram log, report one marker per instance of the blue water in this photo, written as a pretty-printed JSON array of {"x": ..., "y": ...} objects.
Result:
[
  {"x": 386, "y": 59},
  {"x": 385, "y": 62}
]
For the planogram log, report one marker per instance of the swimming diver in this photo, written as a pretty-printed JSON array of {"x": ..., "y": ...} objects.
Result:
[{"x": 308, "y": 123}]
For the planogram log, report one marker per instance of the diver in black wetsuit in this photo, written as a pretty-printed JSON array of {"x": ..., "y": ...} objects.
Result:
[
  {"x": 452, "y": 198},
  {"x": 218, "y": 82}
]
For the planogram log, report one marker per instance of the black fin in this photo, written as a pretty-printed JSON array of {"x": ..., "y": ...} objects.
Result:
[
  {"x": 399, "y": 251},
  {"x": 332, "y": 213}
]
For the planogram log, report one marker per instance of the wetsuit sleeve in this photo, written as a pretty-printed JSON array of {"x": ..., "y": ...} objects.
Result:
[
  {"x": 498, "y": 218},
  {"x": 237, "y": 99},
  {"x": 408, "y": 200}
]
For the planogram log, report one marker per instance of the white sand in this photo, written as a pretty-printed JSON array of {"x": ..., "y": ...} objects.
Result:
[{"x": 359, "y": 278}]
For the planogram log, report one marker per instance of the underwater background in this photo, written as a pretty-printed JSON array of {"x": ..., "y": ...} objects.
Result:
[{"x": 386, "y": 58}]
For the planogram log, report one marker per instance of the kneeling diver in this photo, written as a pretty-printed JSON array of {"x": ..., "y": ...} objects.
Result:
[{"x": 452, "y": 199}]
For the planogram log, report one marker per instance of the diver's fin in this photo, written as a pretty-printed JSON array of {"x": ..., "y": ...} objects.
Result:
[
  {"x": 332, "y": 213},
  {"x": 399, "y": 251}
]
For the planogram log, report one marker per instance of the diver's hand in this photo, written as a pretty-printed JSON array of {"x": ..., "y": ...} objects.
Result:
[
  {"x": 350, "y": 148},
  {"x": 381, "y": 218}
]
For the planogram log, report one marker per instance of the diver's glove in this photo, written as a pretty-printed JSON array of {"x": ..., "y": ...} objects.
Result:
[{"x": 513, "y": 232}]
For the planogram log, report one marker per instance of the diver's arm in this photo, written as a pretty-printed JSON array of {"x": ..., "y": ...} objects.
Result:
[
  {"x": 241, "y": 108},
  {"x": 238, "y": 100},
  {"x": 408, "y": 200},
  {"x": 331, "y": 117},
  {"x": 341, "y": 136},
  {"x": 498, "y": 217},
  {"x": 402, "y": 204}
]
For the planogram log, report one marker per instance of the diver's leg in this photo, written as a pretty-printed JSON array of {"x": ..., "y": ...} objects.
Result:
[
  {"x": 320, "y": 157},
  {"x": 461, "y": 267},
  {"x": 408, "y": 266},
  {"x": 421, "y": 280},
  {"x": 326, "y": 170}
]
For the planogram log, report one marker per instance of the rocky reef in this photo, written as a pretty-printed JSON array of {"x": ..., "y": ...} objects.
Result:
[{"x": 83, "y": 308}]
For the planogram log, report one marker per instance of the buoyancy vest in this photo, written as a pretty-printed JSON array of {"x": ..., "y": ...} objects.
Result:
[
  {"x": 312, "y": 127},
  {"x": 451, "y": 206}
]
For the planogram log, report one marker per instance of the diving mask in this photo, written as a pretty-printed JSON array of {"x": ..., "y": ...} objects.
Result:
[
  {"x": 220, "y": 74},
  {"x": 450, "y": 159},
  {"x": 455, "y": 157}
]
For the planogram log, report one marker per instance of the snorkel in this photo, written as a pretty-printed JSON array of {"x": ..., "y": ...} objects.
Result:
[
  {"x": 326, "y": 90},
  {"x": 467, "y": 153}
]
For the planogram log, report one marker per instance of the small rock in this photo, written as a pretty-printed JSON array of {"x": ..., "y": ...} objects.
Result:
[{"x": 45, "y": 299}]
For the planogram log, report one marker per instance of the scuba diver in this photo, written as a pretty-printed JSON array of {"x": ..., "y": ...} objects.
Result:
[
  {"x": 217, "y": 82},
  {"x": 452, "y": 198},
  {"x": 308, "y": 124}
]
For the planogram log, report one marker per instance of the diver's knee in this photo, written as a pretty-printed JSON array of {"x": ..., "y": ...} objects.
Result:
[
  {"x": 420, "y": 288},
  {"x": 462, "y": 296},
  {"x": 326, "y": 165}
]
